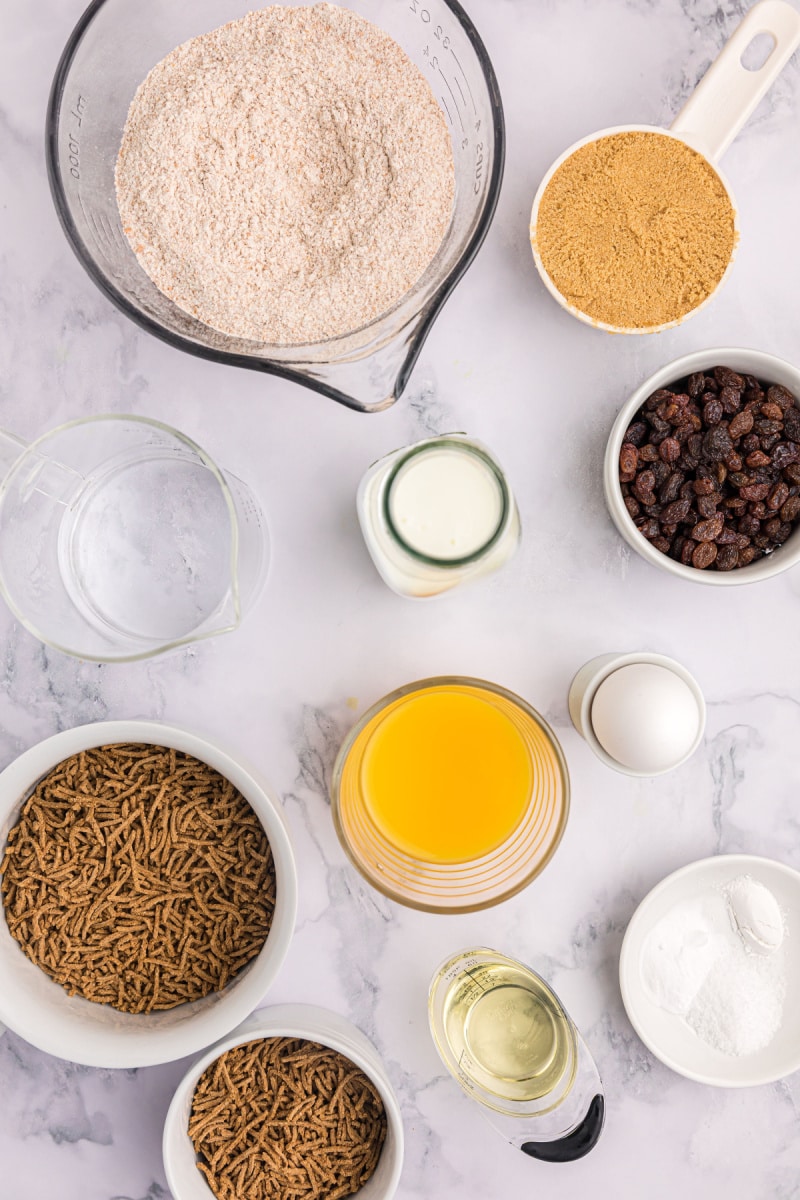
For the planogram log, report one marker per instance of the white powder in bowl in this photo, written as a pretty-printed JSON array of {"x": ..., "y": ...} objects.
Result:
[
  {"x": 700, "y": 963},
  {"x": 288, "y": 177}
]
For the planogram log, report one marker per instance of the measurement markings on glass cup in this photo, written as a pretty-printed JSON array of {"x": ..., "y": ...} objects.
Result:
[
  {"x": 77, "y": 112},
  {"x": 458, "y": 102}
]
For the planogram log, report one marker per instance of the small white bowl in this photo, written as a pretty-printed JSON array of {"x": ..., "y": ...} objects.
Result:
[
  {"x": 583, "y": 690},
  {"x": 667, "y": 1035},
  {"x": 39, "y": 1010},
  {"x": 184, "y": 1179},
  {"x": 763, "y": 366}
]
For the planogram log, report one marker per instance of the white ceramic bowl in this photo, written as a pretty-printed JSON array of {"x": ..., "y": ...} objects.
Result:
[
  {"x": 39, "y": 1010},
  {"x": 668, "y": 1036},
  {"x": 765, "y": 367},
  {"x": 286, "y": 1020}
]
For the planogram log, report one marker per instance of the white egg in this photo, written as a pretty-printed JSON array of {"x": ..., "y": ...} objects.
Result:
[{"x": 646, "y": 717}]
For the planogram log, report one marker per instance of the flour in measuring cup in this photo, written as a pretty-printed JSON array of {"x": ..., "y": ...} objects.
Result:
[{"x": 288, "y": 177}]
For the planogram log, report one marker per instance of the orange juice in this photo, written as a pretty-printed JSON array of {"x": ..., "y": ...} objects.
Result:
[{"x": 446, "y": 774}]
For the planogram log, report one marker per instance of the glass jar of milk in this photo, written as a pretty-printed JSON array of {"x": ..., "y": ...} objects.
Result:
[{"x": 437, "y": 514}]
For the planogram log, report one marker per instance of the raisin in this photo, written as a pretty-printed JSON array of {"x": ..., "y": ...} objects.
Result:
[
  {"x": 730, "y": 400},
  {"x": 632, "y": 506},
  {"x": 706, "y": 531},
  {"x": 703, "y": 487},
  {"x": 712, "y": 411},
  {"x": 725, "y": 377},
  {"x": 771, "y": 527},
  {"x": 791, "y": 424},
  {"x": 716, "y": 443},
  {"x": 696, "y": 383},
  {"x": 687, "y": 551},
  {"x": 704, "y": 555},
  {"x": 648, "y": 453},
  {"x": 784, "y": 454},
  {"x": 669, "y": 450},
  {"x": 791, "y": 509},
  {"x": 741, "y": 424},
  {"x": 749, "y": 526},
  {"x": 773, "y": 411},
  {"x": 648, "y": 526},
  {"x": 677, "y": 511},
  {"x": 778, "y": 496},
  {"x": 746, "y": 556},
  {"x": 671, "y": 488},
  {"x": 758, "y": 459},
  {"x": 755, "y": 491},
  {"x": 727, "y": 558},
  {"x": 778, "y": 394},
  {"x": 661, "y": 543},
  {"x": 636, "y": 433},
  {"x": 792, "y": 473},
  {"x": 707, "y": 505},
  {"x": 628, "y": 459}
]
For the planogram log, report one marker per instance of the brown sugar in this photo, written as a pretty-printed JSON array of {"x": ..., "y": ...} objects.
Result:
[{"x": 635, "y": 229}]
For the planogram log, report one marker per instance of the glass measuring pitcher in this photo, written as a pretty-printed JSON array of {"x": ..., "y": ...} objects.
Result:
[
  {"x": 366, "y": 369},
  {"x": 503, "y": 1034},
  {"x": 120, "y": 538}
]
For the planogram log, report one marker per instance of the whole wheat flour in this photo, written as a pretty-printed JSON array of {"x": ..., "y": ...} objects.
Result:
[{"x": 288, "y": 177}]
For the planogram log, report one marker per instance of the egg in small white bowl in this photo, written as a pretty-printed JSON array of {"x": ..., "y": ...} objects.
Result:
[{"x": 38, "y": 1009}]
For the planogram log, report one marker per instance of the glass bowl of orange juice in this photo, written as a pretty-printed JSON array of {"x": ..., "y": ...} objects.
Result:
[{"x": 450, "y": 794}]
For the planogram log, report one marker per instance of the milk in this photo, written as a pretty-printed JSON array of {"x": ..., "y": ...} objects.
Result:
[{"x": 437, "y": 514}]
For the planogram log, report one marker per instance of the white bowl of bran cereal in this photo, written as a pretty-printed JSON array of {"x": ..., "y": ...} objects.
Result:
[
  {"x": 764, "y": 367},
  {"x": 324, "y": 1029},
  {"x": 41, "y": 1010}
]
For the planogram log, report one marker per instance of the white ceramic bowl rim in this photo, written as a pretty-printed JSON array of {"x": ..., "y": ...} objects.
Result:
[
  {"x": 766, "y": 367},
  {"x": 545, "y": 275},
  {"x": 287, "y": 1020},
  {"x": 39, "y": 1010},
  {"x": 748, "y": 1071}
]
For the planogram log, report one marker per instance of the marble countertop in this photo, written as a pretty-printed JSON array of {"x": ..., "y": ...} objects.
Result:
[{"x": 327, "y": 638}]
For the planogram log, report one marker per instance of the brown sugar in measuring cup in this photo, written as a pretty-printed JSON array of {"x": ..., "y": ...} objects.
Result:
[{"x": 634, "y": 228}]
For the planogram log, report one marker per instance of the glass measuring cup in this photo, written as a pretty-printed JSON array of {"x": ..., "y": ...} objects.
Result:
[
  {"x": 472, "y": 876},
  {"x": 94, "y": 84},
  {"x": 507, "y": 1040},
  {"x": 708, "y": 122},
  {"x": 120, "y": 538}
]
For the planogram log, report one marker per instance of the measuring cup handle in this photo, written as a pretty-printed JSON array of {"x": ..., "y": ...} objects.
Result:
[
  {"x": 572, "y": 1145},
  {"x": 727, "y": 94}
]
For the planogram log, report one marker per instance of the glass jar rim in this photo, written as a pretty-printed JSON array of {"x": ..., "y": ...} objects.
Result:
[{"x": 465, "y": 446}]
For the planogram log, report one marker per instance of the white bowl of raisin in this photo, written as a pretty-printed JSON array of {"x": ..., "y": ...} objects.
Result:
[{"x": 702, "y": 467}]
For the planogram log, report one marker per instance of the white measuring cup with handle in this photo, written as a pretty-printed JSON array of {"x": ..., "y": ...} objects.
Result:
[{"x": 709, "y": 121}]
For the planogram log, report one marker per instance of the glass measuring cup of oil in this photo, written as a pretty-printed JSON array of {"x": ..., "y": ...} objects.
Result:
[{"x": 503, "y": 1034}]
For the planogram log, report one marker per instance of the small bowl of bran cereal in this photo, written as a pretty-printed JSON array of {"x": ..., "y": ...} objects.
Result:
[
  {"x": 148, "y": 893},
  {"x": 295, "y": 1102}
]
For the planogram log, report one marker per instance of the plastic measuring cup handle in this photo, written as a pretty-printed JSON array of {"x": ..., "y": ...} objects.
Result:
[
  {"x": 572, "y": 1145},
  {"x": 727, "y": 94}
]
